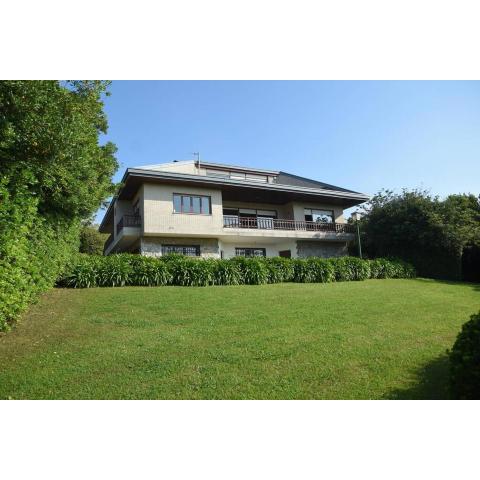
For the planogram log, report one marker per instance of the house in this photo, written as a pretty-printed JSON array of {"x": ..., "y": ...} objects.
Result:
[{"x": 220, "y": 211}]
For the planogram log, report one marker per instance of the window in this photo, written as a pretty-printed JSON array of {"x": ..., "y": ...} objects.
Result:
[
  {"x": 195, "y": 204},
  {"x": 249, "y": 212},
  {"x": 230, "y": 212},
  {"x": 252, "y": 177},
  {"x": 250, "y": 252},
  {"x": 319, "y": 216},
  {"x": 188, "y": 250}
]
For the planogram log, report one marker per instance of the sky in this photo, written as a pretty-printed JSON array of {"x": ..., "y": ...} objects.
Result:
[{"x": 363, "y": 136}]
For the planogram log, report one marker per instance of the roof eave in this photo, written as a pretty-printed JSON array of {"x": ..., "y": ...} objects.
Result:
[{"x": 241, "y": 183}]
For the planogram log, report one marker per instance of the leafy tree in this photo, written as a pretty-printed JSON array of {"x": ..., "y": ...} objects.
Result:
[
  {"x": 421, "y": 229},
  {"x": 91, "y": 240},
  {"x": 51, "y": 130},
  {"x": 54, "y": 172}
]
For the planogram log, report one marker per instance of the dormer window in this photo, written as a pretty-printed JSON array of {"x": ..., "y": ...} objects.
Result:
[{"x": 234, "y": 175}]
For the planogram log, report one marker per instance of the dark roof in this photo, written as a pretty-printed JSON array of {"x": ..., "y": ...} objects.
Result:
[{"x": 285, "y": 178}]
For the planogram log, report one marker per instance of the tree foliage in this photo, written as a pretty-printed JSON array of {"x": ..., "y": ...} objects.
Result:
[
  {"x": 428, "y": 232},
  {"x": 91, "y": 240},
  {"x": 54, "y": 172}
]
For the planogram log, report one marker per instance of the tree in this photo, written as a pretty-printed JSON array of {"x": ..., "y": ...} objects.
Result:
[
  {"x": 54, "y": 173},
  {"x": 424, "y": 230},
  {"x": 91, "y": 240},
  {"x": 51, "y": 130}
]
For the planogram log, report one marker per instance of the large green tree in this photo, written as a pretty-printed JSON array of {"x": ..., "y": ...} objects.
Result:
[
  {"x": 429, "y": 232},
  {"x": 54, "y": 173}
]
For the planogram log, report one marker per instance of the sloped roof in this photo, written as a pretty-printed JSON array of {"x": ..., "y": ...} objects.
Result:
[{"x": 285, "y": 178}]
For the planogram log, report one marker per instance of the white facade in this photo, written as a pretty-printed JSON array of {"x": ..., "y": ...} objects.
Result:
[{"x": 147, "y": 222}]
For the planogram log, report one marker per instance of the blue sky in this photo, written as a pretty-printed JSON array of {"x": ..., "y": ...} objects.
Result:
[{"x": 360, "y": 135}]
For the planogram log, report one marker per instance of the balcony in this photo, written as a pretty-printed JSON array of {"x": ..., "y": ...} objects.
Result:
[
  {"x": 129, "y": 221},
  {"x": 262, "y": 223}
]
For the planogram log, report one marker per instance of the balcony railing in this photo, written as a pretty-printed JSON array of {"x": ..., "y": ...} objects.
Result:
[
  {"x": 129, "y": 221},
  {"x": 279, "y": 224}
]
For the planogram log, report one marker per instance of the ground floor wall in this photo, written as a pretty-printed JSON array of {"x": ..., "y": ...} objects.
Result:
[
  {"x": 271, "y": 249},
  {"x": 307, "y": 248},
  {"x": 214, "y": 248},
  {"x": 152, "y": 246}
]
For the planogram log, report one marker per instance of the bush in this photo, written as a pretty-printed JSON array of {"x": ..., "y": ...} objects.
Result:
[
  {"x": 254, "y": 271},
  {"x": 148, "y": 271},
  {"x": 226, "y": 272},
  {"x": 350, "y": 268},
  {"x": 91, "y": 240},
  {"x": 54, "y": 173},
  {"x": 279, "y": 270},
  {"x": 465, "y": 361},
  {"x": 390, "y": 268},
  {"x": 188, "y": 272},
  {"x": 127, "y": 269}
]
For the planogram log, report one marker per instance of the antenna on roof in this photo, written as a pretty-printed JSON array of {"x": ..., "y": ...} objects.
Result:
[{"x": 197, "y": 154}]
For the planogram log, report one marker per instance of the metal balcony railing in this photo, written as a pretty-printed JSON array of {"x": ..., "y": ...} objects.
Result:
[
  {"x": 281, "y": 224},
  {"x": 129, "y": 221}
]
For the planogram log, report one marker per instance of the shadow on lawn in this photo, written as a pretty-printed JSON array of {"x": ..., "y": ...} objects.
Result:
[
  {"x": 432, "y": 383},
  {"x": 458, "y": 283}
]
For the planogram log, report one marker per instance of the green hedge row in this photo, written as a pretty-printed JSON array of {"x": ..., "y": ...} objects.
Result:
[
  {"x": 33, "y": 249},
  {"x": 127, "y": 269}
]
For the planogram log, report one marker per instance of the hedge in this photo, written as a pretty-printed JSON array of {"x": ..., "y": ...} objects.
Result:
[
  {"x": 465, "y": 361},
  {"x": 128, "y": 269}
]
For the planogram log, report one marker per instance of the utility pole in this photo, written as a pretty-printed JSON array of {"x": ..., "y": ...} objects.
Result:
[{"x": 356, "y": 216}]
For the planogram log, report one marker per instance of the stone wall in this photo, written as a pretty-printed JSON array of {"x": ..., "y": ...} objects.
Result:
[
  {"x": 306, "y": 248},
  {"x": 152, "y": 246}
]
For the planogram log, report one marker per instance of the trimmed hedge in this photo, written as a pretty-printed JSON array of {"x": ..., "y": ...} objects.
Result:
[
  {"x": 465, "y": 361},
  {"x": 128, "y": 269}
]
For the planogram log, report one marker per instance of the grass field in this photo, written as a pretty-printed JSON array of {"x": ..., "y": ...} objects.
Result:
[{"x": 372, "y": 339}]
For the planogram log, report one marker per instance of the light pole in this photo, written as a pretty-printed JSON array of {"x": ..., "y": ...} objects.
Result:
[{"x": 356, "y": 216}]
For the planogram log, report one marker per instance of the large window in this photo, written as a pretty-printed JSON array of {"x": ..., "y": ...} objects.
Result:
[
  {"x": 250, "y": 252},
  {"x": 319, "y": 216},
  {"x": 188, "y": 250},
  {"x": 193, "y": 204}
]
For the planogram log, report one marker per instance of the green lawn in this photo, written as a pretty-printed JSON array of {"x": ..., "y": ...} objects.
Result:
[{"x": 372, "y": 339}]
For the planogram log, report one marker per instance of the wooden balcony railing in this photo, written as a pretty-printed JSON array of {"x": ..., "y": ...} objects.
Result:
[
  {"x": 129, "y": 221},
  {"x": 279, "y": 224}
]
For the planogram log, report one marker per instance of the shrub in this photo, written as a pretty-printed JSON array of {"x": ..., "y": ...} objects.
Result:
[
  {"x": 390, "y": 268},
  {"x": 54, "y": 173},
  {"x": 350, "y": 268},
  {"x": 465, "y": 361},
  {"x": 148, "y": 271},
  {"x": 279, "y": 270},
  {"x": 128, "y": 269},
  {"x": 91, "y": 240},
  {"x": 226, "y": 272},
  {"x": 82, "y": 273},
  {"x": 115, "y": 272},
  {"x": 302, "y": 271},
  {"x": 253, "y": 270},
  {"x": 322, "y": 270},
  {"x": 188, "y": 272}
]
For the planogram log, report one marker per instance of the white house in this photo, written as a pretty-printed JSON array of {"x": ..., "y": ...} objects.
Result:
[{"x": 215, "y": 210}]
